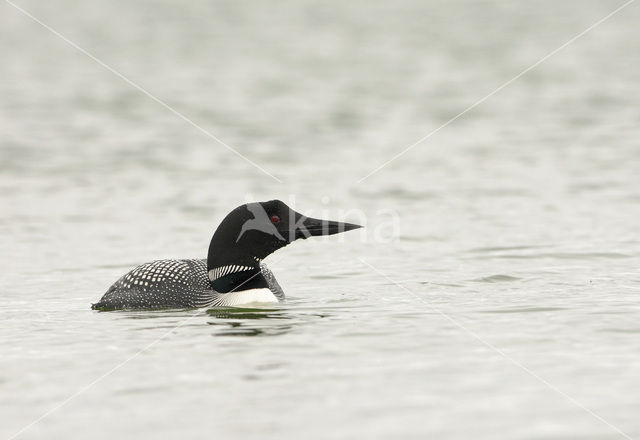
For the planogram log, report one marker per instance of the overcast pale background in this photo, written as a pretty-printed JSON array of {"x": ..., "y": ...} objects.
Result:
[{"x": 518, "y": 221}]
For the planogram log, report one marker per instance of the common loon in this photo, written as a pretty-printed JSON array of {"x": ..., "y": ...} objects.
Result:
[{"x": 233, "y": 273}]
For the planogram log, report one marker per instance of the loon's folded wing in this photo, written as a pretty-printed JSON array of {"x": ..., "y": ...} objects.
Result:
[
  {"x": 161, "y": 284},
  {"x": 272, "y": 282}
]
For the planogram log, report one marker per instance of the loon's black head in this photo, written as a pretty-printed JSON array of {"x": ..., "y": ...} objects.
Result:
[{"x": 252, "y": 231}]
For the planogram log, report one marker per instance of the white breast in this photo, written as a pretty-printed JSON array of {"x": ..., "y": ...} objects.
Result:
[{"x": 251, "y": 296}]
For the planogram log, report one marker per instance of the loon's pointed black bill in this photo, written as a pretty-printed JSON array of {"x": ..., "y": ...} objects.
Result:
[{"x": 315, "y": 226}]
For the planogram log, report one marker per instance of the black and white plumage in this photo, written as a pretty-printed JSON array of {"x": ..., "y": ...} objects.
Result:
[
  {"x": 183, "y": 284},
  {"x": 233, "y": 273}
]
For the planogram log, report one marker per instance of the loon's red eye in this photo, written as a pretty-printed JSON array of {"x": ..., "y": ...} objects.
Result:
[{"x": 275, "y": 219}]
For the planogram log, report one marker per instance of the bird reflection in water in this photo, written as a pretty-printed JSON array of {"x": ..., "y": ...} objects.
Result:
[{"x": 232, "y": 321}]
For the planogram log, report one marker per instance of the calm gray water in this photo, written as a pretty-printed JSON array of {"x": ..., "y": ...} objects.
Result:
[{"x": 518, "y": 249}]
